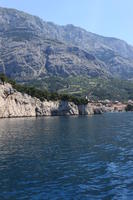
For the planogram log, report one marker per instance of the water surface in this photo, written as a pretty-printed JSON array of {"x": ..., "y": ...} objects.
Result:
[{"x": 72, "y": 158}]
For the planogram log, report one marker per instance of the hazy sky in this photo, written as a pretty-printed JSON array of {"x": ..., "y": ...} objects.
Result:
[{"x": 106, "y": 17}]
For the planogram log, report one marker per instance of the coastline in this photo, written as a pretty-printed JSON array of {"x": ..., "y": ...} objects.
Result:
[{"x": 14, "y": 104}]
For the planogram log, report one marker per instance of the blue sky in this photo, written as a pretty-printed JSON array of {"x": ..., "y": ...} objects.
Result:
[{"x": 112, "y": 18}]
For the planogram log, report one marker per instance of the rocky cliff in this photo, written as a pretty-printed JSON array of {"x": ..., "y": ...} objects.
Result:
[
  {"x": 31, "y": 48},
  {"x": 16, "y": 104}
]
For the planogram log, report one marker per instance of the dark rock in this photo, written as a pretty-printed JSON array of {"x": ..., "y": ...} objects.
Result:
[
  {"x": 129, "y": 107},
  {"x": 98, "y": 111}
]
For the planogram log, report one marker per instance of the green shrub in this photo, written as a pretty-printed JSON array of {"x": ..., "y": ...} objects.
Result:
[{"x": 42, "y": 94}]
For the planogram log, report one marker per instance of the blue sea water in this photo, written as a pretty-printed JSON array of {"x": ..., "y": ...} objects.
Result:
[{"x": 69, "y": 158}]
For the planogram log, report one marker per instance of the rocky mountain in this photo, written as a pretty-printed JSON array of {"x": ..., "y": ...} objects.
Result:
[{"x": 31, "y": 48}]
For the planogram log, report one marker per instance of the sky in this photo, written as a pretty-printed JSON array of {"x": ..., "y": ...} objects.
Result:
[{"x": 113, "y": 18}]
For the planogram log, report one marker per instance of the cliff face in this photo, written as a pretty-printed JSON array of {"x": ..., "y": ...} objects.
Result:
[
  {"x": 16, "y": 104},
  {"x": 31, "y": 48}
]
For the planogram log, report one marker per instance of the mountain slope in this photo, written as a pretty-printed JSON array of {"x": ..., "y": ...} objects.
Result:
[
  {"x": 31, "y": 48},
  {"x": 37, "y": 57}
]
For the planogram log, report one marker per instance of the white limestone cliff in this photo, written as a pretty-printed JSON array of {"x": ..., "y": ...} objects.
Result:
[{"x": 16, "y": 104}]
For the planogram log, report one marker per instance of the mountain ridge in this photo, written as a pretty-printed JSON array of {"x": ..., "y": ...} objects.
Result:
[{"x": 31, "y": 47}]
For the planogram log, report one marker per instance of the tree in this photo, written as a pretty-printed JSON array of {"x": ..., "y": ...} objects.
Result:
[{"x": 3, "y": 78}]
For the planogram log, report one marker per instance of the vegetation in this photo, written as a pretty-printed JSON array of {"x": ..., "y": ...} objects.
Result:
[
  {"x": 76, "y": 89},
  {"x": 42, "y": 94},
  {"x": 3, "y": 78},
  {"x": 93, "y": 88},
  {"x": 129, "y": 107}
]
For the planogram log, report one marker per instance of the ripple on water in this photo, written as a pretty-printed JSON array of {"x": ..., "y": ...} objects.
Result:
[{"x": 67, "y": 158}]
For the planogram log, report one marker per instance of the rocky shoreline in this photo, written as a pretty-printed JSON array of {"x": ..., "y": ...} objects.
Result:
[{"x": 16, "y": 104}]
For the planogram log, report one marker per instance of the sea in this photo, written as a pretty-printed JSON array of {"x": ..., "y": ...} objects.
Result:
[{"x": 67, "y": 158}]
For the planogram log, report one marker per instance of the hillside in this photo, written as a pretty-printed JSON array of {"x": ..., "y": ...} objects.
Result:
[
  {"x": 93, "y": 88},
  {"x": 31, "y": 48}
]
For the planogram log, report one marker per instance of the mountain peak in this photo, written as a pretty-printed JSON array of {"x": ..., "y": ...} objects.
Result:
[{"x": 32, "y": 48}]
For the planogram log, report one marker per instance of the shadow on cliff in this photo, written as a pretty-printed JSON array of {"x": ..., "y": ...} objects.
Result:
[{"x": 64, "y": 108}]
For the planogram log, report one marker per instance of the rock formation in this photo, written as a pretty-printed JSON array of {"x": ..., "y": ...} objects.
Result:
[
  {"x": 16, "y": 104},
  {"x": 31, "y": 48}
]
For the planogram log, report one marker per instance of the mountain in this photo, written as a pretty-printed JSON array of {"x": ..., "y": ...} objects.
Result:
[{"x": 31, "y": 48}]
